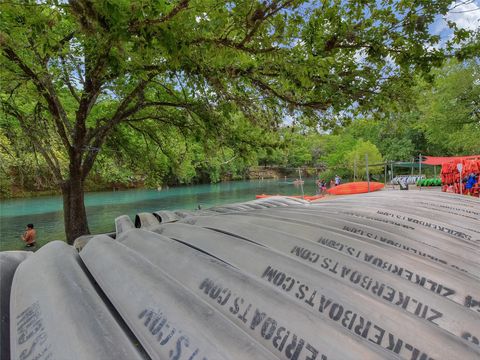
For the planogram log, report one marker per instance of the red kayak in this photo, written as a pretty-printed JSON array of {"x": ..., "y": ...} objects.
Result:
[{"x": 358, "y": 187}]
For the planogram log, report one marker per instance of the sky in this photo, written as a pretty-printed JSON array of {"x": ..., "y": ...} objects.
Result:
[{"x": 465, "y": 13}]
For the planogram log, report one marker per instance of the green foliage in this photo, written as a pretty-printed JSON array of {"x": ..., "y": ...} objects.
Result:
[
  {"x": 296, "y": 149},
  {"x": 389, "y": 135},
  {"x": 337, "y": 149},
  {"x": 362, "y": 152},
  {"x": 7, "y": 159},
  {"x": 450, "y": 110},
  {"x": 442, "y": 118}
]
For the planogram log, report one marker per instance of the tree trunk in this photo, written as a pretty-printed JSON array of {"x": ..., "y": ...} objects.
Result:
[{"x": 75, "y": 216}]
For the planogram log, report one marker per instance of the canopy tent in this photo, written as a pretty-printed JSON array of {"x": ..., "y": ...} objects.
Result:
[
  {"x": 400, "y": 164},
  {"x": 440, "y": 160},
  {"x": 406, "y": 164}
]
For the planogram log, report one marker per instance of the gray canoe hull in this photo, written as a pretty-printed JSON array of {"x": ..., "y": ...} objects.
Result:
[{"x": 385, "y": 275}]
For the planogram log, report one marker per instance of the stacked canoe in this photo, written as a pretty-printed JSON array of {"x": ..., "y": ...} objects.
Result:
[{"x": 384, "y": 275}]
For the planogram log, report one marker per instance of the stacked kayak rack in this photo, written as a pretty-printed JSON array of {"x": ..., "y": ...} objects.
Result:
[
  {"x": 407, "y": 179},
  {"x": 383, "y": 275},
  {"x": 461, "y": 175},
  {"x": 430, "y": 182}
]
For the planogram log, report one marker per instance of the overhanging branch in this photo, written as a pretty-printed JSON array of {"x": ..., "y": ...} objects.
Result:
[
  {"x": 46, "y": 90},
  {"x": 66, "y": 77},
  {"x": 49, "y": 156},
  {"x": 181, "y": 6},
  {"x": 318, "y": 105}
]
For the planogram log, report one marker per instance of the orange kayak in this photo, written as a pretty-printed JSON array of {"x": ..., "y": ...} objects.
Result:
[
  {"x": 358, "y": 187},
  {"x": 306, "y": 197}
]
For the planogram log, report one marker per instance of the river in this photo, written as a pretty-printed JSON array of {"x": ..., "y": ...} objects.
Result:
[{"x": 45, "y": 212}]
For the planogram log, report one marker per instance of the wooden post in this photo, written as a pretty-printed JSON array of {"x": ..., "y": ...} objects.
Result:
[
  {"x": 420, "y": 169},
  {"x": 385, "y": 176},
  {"x": 391, "y": 175},
  {"x": 301, "y": 183},
  {"x": 420, "y": 164},
  {"x": 460, "y": 170},
  {"x": 366, "y": 168},
  {"x": 355, "y": 168}
]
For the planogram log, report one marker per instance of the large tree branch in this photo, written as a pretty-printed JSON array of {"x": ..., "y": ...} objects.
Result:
[
  {"x": 49, "y": 156},
  {"x": 92, "y": 152},
  {"x": 148, "y": 134},
  {"x": 78, "y": 69},
  {"x": 319, "y": 105},
  {"x": 66, "y": 78},
  {"x": 94, "y": 76},
  {"x": 88, "y": 15},
  {"x": 163, "y": 119},
  {"x": 41, "y": 59},
  {"x": 120, "y": 113},
  {"x": 233, "y": 45},
  {"x": 46, "y": 90},
  {"x": 63, "y": 41},
  {"x": 260, "y": 15},
  {"x": 181, "y": 6},
  {"x": 51, "y": 160},
  {"x": 124, "y": 112},
  {"x": 168, "y": 104},
  {"x": 40, "y": 137},
  {"x": 185, "y": 96},
  {"x": 98, "y": 135}
]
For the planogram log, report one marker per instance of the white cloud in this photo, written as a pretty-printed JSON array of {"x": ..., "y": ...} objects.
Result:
[{"x": 466, "y": 15}]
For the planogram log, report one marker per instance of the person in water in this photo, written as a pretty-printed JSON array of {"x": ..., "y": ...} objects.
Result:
[{"x": 29, "y": 236}]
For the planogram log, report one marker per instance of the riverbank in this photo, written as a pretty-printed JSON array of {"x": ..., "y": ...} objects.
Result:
[
  {"x": 30, "y": 194},
  {"x": 98, "y": 185},
  {"x": 16, "y": 192}
]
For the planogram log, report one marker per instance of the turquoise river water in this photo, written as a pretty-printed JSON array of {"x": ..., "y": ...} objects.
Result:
[{"x": 46, "y": 213}]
